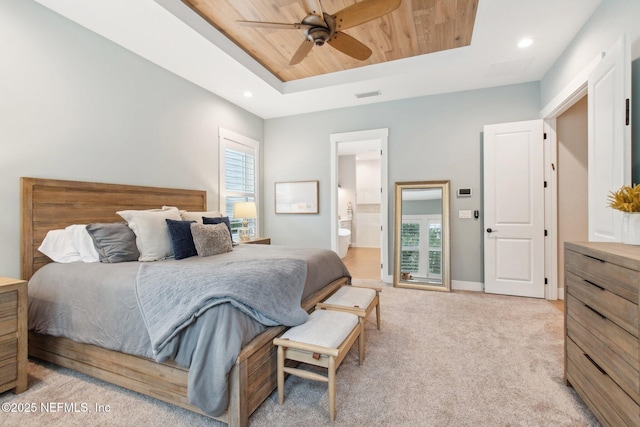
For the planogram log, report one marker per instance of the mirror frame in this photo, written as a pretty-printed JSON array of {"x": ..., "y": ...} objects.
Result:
[{"x": 446, "y": 255}]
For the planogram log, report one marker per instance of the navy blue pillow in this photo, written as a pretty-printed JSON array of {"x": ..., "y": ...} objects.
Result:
[
  {"x": 219, "y": 220},
  {"x": 181, "y": 238}
]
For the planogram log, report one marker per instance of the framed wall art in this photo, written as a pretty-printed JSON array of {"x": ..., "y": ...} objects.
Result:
[{"x": 297, "y": 197}]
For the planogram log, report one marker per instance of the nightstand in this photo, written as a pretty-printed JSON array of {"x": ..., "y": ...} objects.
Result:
[
  {"x": 13, "y": 335},
  {"x": 257, "y": 241}
]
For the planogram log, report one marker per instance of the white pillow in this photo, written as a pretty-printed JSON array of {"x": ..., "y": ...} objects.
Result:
[
  {"x": 58, "y": 245},
  {"x": 83, "y": 243},
  {"x": 152, "y": 234},
  {"x": 197, "y": 216}
]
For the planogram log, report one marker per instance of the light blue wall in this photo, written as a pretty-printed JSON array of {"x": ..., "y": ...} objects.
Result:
[
  {"x": 75, "y": 106},
  {"x": 430, "y": 138}
]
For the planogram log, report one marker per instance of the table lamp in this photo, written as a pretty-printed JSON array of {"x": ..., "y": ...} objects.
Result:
[{"x": 244, "y": 210}]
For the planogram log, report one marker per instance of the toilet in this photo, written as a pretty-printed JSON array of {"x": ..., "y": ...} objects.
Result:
[{"x": 344, "y": 240}]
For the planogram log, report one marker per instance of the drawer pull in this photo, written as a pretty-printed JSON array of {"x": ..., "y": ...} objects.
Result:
[
  {"x": 602, "y": 371},
  {"x": 596, "y": 311},
  {"x": 593, "y": 284},
  {"x": 594, "y": 258}
]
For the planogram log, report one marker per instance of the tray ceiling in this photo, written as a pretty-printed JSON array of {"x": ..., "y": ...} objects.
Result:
[{"x": 417, "y": 27}]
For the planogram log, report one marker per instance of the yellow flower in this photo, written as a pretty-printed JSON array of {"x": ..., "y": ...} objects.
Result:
[{"x": 626, "y": 199}]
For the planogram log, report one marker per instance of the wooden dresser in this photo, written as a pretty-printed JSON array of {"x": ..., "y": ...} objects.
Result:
[
  {"x": 13, "y": 335},
  {"x": 601, "y": 329}
]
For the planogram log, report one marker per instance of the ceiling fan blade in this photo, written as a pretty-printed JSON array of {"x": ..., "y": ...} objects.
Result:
[
  {"x": 313, "y": 7},
  {"x": 349, "y": 46},
  {"x": 276, "y": 25},
  {"x": 364, "y": 11},
  {"x": 302, "y": 52}
]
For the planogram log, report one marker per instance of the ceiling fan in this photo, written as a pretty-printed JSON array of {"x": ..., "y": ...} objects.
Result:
[{"x": 319, "y": 27}]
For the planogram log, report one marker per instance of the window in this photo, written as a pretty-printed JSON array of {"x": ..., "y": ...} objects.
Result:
[
  {"x": 421, "y": 243},
  {"x": 238, "y": 175}
]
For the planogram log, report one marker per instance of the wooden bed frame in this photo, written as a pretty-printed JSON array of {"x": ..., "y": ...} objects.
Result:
[{"x": 53, "y": 204}]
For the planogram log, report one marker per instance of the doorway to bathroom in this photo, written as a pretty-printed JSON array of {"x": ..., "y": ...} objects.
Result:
[{"x": 359, "y": 202}]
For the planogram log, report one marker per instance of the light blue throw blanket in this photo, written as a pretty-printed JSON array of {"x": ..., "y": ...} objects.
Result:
[{"x": 172, "y": 295}]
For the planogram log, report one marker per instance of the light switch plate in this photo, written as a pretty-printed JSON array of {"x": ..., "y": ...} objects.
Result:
[{"x": 465, "y": 214}]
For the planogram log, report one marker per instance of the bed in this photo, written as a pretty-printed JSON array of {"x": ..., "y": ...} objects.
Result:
[{"x": 54, "y": 204}]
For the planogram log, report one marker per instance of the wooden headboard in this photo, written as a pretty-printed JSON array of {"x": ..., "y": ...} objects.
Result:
[{"x": 48, "y": 204}]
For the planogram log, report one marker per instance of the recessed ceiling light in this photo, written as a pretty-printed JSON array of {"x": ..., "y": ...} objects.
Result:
[
  {"x": 525, "y": 42},
  {"x": 248, "y": 94}
]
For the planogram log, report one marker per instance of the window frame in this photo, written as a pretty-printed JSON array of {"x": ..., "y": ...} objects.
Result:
[{"x": 233, "y": 140}]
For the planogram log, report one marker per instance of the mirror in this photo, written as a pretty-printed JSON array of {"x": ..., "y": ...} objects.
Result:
[{"x": 422, "y": 236}]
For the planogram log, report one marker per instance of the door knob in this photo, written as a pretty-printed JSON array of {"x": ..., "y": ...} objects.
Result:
[{"x": 490, "y": 230}]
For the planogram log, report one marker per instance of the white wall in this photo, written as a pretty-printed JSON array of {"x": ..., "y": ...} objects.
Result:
[
  {"x": 430, "y": 138},
  {"x": 76, "y": 106}
]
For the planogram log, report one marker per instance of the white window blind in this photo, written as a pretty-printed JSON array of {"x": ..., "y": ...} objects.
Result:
[{"x": 238, "y": 175}]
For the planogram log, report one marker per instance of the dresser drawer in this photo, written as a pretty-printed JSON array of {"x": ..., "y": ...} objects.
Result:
[
  {"x": 617, "y": 309},
  {"x": 600, "y": 392},
  {"x": 612, "y": 348},
  {"x": 619, "y": 280}
]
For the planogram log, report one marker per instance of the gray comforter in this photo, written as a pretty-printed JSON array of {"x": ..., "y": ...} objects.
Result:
[
  {"x": 172, "y": 295},
  {"x": 96, "y": 303}
]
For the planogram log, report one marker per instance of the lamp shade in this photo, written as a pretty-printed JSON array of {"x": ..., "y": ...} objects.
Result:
[{"x": 244, "y": 210}]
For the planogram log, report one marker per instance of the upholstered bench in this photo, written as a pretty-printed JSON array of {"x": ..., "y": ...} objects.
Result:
[
  {"x": 323, "y": 340},
  {"x": 357, "y": 300}
]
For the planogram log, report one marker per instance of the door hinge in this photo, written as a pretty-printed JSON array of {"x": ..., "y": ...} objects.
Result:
[
  {"x": 546, "y": 282},
  {"x": 381, "y": 266},
  {"x": 546, "y": 233},
  {"x": 545, "y": 184},
  {"x": 627, "y": 112}
]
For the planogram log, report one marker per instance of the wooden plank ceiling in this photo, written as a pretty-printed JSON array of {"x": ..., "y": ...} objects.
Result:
[{"x": 417, "y": 27}]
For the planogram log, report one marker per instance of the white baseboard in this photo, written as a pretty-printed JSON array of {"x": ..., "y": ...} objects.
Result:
[
  {"x": 561, "y": 293},
  {"x": 461, "y": 285}
]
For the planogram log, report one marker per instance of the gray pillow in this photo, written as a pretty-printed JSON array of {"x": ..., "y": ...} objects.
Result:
[
  {"x": 115, "y": 242},
  {"x": 211, "y": 239}
]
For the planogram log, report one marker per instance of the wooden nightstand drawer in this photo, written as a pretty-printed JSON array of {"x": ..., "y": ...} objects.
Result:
[
  {"x": 614, "y": 278},
  {"x": 13, "y": 335},
  {"x": 599, "y": 391},
  {"x": 8, "y": 308},
  {"x": 618, "y": 309},
  {"x": 8, "y": 347},
  {"x": 8, "y": 373}
]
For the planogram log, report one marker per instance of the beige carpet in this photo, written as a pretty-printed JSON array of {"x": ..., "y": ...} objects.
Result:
[{"x": 458, "y": 359}]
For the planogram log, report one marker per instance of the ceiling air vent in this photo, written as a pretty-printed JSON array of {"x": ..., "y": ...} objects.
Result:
[{"x": 368, "y": 94}]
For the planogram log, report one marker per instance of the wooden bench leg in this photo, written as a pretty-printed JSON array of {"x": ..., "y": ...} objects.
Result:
[
  {"x": 332, "y": 388},
  {"x": 378, "y": 314},
  {"x": 361, "y": 342},
  {"x": 280, "y": 374}
]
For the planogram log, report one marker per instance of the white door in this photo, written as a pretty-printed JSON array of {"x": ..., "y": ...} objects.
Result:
[
  {"x": 514, "y": 209},
  {"x": 609, "y": 145}
]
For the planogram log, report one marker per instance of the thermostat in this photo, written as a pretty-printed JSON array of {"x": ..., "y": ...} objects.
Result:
[{"x": 464, "y": 192}]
